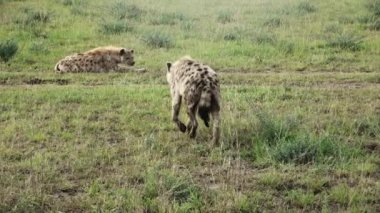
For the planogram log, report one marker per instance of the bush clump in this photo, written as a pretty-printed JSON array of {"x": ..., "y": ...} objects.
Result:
[{"x": 8, "y": 49}]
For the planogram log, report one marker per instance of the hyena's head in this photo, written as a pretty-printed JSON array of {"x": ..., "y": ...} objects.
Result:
[
  {"x": 168, "y": 73},
  {"x": 126, "y": 56}
]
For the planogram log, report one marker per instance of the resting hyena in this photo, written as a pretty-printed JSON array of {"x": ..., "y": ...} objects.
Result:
[
  {"x": 101, "y": 59},
  {"x": 198, "y": 85}
]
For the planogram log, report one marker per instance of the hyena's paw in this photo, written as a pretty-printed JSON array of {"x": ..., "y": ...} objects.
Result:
[
  {"x": 192, "y": 134},
  {"x": 191, "y": 130},
  {"x": 182, "y": 127},
  {"x": 188, "y": 127}
]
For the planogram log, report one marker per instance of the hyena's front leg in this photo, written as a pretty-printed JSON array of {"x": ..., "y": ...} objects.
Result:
[
  {"x": 124, "y": 68},
  {"x": 176, "y": 106}
]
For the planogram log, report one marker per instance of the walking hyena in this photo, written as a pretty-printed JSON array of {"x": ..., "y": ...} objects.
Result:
[{"x": 198, "y": 85}]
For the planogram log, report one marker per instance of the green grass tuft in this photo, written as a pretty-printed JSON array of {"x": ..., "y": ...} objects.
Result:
[
  {"x": 272, "y": 130},
  {"x": 305, "y": 149},
  {"x": 187, "y": 26},
  {"x": 78, "y": 7},
  {"x": 158, "y": 40},
  {"x": 374, "y": 7},
  {"x": 286, "y": 47},
  {"x": 122, "y": 10},
  {"x": 34, "y": 17},
  {"x": 346, "y": 42},
  {"x": 115, "y": 27},
  {"x": 306, "y": 7},
  {"x": 179, "y": 191},
  {"x": 225, "y": 17},
  {"x": 373, "y": 19},
  {"x": 231, "y": 36},
  {"x": 299, "y": 151},
  {"x": 375, "y": 25},
  {"x": 67, "y": 2},
  {"x": 8, "y": 49},
  {"x": 273, "y": 22},
  {"x": 301, "y": 198},
  {"x": 39, "y": 47},
  {"x": 264, "y": 38}
]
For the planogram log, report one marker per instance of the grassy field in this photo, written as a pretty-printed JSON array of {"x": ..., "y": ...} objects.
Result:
[{"x": 300, "y": 107}]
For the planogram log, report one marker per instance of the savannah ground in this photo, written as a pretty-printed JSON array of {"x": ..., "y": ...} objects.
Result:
[{"x": 300, "y": 111}]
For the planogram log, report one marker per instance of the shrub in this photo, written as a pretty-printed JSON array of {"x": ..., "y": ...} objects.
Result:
[
  {"x": 8, "y": 49},
  {"x": 158, "y": 40},
  {"x": 115, "y": 27}
]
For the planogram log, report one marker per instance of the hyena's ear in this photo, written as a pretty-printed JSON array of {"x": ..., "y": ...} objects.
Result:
[
  {"x": 122, "y": 51},
  {"x": 169, "y": 65}
]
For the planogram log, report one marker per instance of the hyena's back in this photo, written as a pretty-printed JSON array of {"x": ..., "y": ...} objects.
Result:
[{"x": 198, "y": 83}]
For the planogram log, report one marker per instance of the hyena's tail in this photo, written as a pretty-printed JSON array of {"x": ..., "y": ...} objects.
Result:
[
  {"x": 209, "y": 102},
  {"x": 203, "y": 112}
]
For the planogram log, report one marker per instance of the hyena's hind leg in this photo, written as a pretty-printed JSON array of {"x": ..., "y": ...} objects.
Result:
[
  {"x": 176, "y": 106},
  {"x": 193, "y": 123},
  {"x": 216, "y": 126},
  {"x": 215, "y": 114}
]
